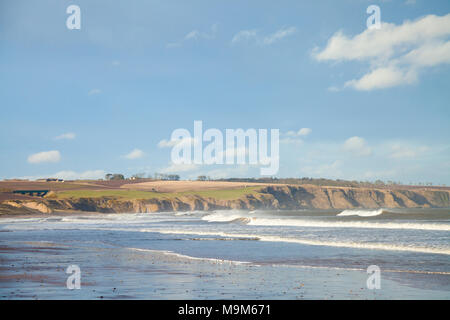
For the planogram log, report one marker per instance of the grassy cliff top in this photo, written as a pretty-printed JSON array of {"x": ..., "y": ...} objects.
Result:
[{"x": 226, "y": 194}]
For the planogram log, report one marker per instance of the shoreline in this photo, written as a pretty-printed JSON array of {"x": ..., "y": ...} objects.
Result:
[
  {"x": 68, "y": 213},
  {"x": 158, "y": 275},
  {"x": 148, "y": 256}
]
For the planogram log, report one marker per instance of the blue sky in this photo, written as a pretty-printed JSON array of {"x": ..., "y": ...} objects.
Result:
[{"x": 103, "y": 97}]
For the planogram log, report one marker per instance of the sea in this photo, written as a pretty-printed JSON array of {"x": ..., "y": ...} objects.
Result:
[{"x": 229, "y": 254}]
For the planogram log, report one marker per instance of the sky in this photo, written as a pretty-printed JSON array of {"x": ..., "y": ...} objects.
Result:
[{"x": 349, "y": 102}]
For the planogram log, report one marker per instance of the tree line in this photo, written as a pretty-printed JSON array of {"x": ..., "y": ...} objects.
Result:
[
  {"x": 272, "y": 180},
  {"x": 156, "y": 176}
]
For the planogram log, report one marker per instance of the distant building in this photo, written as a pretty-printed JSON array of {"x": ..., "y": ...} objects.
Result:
[
  {"x": 50, "y": 180},
  {"x": 32, "y": 193},
  {"x": 54, "y": 180}
]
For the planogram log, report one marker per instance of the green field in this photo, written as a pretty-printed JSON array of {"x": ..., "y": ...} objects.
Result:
[{"x": 226, "y": 194}]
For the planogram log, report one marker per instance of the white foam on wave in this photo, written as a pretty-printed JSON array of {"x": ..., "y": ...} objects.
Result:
[
  {"x": 364, "y": 270},
  {"x": 225, "y": 216},
  {"x": 188, "y": 213},
  {"x": 361, "y": 213},
  {"x": 234, "y": 262},
  {"x": 183, "y": 256},
  {"x": 243, "y": 218},
  {"x": 218, "y": 218},
  {"x": 349, "y": 224},
  {"x": 341, "y": 244},
  {"x": 20, "y": 220}
]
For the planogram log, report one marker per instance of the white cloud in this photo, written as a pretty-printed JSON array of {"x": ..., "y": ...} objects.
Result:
[
  {"x": 224, "y": 172},
  {"x": 333, "y": 89},
  {"x": 331, "y": 170},
  {"x": 357, "y": 146},
  {"x": 387, "y": 41},
  {"x": 383, "y": 78},
  {"x": 247, "y": 35},
  {"x": 400, "y": 151},
  {"x": 291, "y": 140},
  {"x": 94, "y": 91},
  {"x": 176, "y": 168},
  {"x": 392, "y": 159},
  {"x": 244, "y": 35},
  {"x": 293, "y": 137},
  {"x": 379, "y": 175},
  {"x": 66, "y": 136},
  {"x": 278, "y": 35},
  {"x": 135, "y": 154},
  {"x": 192, "y": 35},
  {"x": 70, "y": 175},
  {"x": 45, "y": 156},
  {"x": 167, "y": 143},
  {"x": 304, "y": 131},
  {"x": 429, "y": 55},
  {"x": 170, "y": 143},
  {"x": 195, "y": 35},
  {"x": 395, "y": 53},
  {"x": 291, "y": 133},
  {"x": 301, "y": 132}
]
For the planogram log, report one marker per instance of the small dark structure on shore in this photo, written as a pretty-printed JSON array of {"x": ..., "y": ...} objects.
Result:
[{"x": 38, "y": 193}]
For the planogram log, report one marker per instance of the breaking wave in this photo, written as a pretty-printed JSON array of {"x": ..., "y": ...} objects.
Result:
[
  {"x": 183, "y": 256},
  {"x": 340, "y": 244},
  {"x": 361, "y": 213},
  {"x": 225, "y": 216},
  {"x": 292, "y": 222},
  {"x": 349, "y": 224}
]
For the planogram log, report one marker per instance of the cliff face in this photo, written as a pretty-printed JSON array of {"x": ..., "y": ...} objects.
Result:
[
  {"x": 272, "y": 197},
  {"x": 296, "y": 197}
]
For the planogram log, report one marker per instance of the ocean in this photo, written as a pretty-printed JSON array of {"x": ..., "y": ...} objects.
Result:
[{"x": 301, "y": 254}]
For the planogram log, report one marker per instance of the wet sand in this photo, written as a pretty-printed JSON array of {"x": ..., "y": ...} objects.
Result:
[{"x": 36, "y": 270}]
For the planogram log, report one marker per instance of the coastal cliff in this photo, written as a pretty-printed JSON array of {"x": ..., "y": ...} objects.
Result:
[{"x": 270, "y": 197}]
